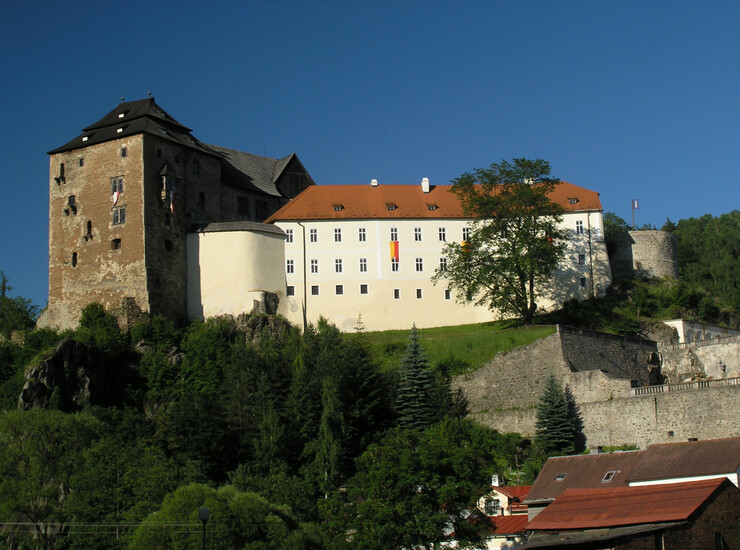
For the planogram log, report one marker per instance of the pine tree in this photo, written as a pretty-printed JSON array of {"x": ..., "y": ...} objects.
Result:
[
  {"x": 576, "y": 421},
  {"x": 554, "y": 429},
  {"x": 414, "y": 401}
]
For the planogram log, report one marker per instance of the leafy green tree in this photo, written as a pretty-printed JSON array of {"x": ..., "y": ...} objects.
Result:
[
  {"x": 15, "y": 313},
  {"x": 559, "y": 427},
  {"x": 416, "y": 391},
  {"x": 614, "y": 225},
  {"x": 515, "y": 241}
]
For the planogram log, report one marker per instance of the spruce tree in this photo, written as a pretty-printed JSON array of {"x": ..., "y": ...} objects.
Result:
[
  {"x": 414, "y": 401},
  {"x": 576, "y": 421},
  {"x": 554, "y": 430}
]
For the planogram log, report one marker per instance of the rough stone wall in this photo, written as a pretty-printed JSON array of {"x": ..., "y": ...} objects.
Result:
[
  {"x": 649, "y": 254},
  {"x": 713, "y": 360}
]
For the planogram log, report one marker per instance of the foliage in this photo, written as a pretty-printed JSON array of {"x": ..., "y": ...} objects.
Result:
[
  {"x": 414, "y": 401},
  {"x": 559, "y": 426},
  {"x": 614, "y": 225},
  {"x": 99, "y": 328},
  {"x": 515, "y": 241},
  {"x": 15, "y": 313}
]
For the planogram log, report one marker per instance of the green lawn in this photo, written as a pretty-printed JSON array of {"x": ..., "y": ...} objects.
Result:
[{"x": 471, "y": 345}]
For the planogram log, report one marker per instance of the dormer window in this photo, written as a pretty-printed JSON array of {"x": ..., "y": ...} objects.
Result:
[
  {"x": 121, "y": 115},
  {"x": 119, "y": 130},
  {"x": 338, "y": 207},
  {"x": 85, "y": 138},
  {"x": 572, "y": 201},
  {"x": 608, "y": 476},
  {"x": 560, "y": 477},
  {"x": 431, "y": 207},
  {"x": 390, "y": 206}
]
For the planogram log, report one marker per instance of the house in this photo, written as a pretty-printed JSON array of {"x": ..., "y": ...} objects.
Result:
[
  {"x": 504, "y": 501},
  {"x": 697, "y": 515}
]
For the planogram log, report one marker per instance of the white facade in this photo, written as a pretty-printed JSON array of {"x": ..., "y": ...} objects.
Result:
[{"x": 689, "y": 331}]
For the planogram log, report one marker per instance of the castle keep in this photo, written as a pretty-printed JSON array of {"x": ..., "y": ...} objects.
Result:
[{"x": 122, "y": 197}]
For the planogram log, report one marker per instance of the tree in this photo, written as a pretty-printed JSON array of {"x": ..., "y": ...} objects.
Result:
[
  {"x": 559, "y": 426},
  {"x": 416, "y": 394},
  {"x": 15, "y": 313},
  {"x": 515, "y": 240}
]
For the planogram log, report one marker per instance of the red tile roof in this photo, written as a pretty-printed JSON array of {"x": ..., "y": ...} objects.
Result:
[
  {"x": 508, "y": 525},
  {"x": 319, "y": 202},
  {"x": 512, "y": 491},
  {"x": 616, "y": 506}
]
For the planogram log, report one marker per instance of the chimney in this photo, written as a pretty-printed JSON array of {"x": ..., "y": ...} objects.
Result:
[
  {"x": 425, "y": 185},
  {"x": 494, "y": 477},
  {"x": 373, "y": 183}
]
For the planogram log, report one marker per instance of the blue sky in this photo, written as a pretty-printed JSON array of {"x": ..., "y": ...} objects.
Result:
[{"x": 631, "y": 99}]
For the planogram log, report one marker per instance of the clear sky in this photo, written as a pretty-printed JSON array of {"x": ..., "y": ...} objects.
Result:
[{"x": 634, "y": 99}]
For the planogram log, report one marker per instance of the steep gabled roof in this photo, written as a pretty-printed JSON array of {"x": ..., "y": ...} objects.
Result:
[
  {"x": 688, "y": 459},
  {"x": 513, "y": 491},
  {"x": 621, "y": 506},
  {"x": 252, "y": 172},
  {"x": 132, "y": 118},
  {"x": 404, "y": 201},
  {"x": 582, "y": 471}
]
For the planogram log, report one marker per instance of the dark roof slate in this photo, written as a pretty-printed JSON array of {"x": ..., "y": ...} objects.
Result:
[{"x": 252, "y": 172}]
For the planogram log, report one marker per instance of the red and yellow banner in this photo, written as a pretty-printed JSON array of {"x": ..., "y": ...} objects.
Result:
[{"x": 394, "y": 250}]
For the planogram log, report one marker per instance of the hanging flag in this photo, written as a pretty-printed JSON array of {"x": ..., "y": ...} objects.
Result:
[
  {"x": 394, "y": 250},
  {"x": 172, "y": 202},
  {"x": 116, "y": 194},
  {"x": 634, "y": 204},
  {"x": 466, "y": 247}
]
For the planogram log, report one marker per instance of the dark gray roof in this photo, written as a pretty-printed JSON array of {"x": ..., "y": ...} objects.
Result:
[
  {"x": 142, "y": 116},
  {"x": 586, "y": 537},
  {"x": 253, "y": 172},
  {"x": 236, "y": 226}
]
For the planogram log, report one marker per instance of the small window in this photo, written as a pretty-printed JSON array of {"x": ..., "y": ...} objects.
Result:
[
  {"x": 466, "y": 234},
  {"x": 115, "y": 244},
  {"x": 167, "y": 219},
  {"x": 290, "y": 290},
  {"x": 581, "y": 259},
  {"x": 72, "y": 204},
  {"x": 583, "y": 282},
  {"x": 159, "y": 152},
  {"x": 314, "y": 290},
  {"x": 363, "y": 289},
  {"x": 82, "y": 161},
  {"x": 394, "y": 233},
  {"x": 201, "y": 199},
  {"x": 88, "y": 232},
  {"x": 363, "y": 265},
  {"x": 74, "y": 259},
  {"x": 242, "y": 208},
  {"x": 671, "y": 433},
  {"x": 572, "y": 201},
  {"x": 196, "y": 167},
  {"x": 313, "y": 235},
  {"x": 119, "y": 216},
  {"x": 288, "y": 235},
  {"x": 443, "y": 264},
  {"x": 338, "y": 265},
  {"x": 260, "y": 210},
  {"x": 116, "y": 185},
  {"x": 442, "y": 234},
  {"x": 396, "y": 293},
  {"x": 579, "y": 227},
  {"x": 314, "y": 266},
  {"x": 289, "y": 266},
  {"x": 419, "y": 264},
  {"x": 124, "y": 152},
  {"x": 339, "y": 290},
  {"x": 361, "y": 235},
  {"x": 608, "y": 476},
  {"x": 431, "y": 207},
  {"x": 448, "y": 294},
  {"x": 168, "y": 245},
  {"x": 390, "y": 206},
  {"x": 394, "y": 264},
  {"x": 337, "y": 234},
  {"x": 560, "y": 477},
  {"x": 417, "y": 234},
  {"x": 338, "y": 207},
  {"x": 418, "y": 294}
]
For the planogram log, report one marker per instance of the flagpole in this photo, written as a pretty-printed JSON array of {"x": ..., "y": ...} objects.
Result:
[{"x": 633, "y": 214}]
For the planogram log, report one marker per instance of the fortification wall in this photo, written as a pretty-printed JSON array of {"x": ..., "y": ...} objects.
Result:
[
  {"x": 715, "y": 359},
  {"x": 650, "y": 254},
  {"x": 644, "y": 420}
]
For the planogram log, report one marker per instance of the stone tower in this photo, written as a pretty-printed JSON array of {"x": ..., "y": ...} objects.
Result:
[{"x": 122, "y": 197}]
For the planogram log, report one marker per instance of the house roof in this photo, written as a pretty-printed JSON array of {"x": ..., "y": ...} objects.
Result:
[
  {"x": 621, "y": 506},
  {"x": 688, "y": 459},
  {"x": 588, "y": 537},
  {"x": 132, "y": 118},
  {"x": 582, "y": 471},
  {"x": 513, "y": 491},
  {"x": 252, "y": 172},
  {"x": 508, "y": 525},
  {"x": 404, "y": 201}
]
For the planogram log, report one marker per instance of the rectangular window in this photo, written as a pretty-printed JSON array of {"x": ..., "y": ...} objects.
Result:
[
  {"x": 290, "y": 291},
  {"x": 361, "y": 235},
  {"x": 417, "y": 234},
  {"x": 579, "y": 227},
  {"x": 448, "y": 294},
  {"x": 466, "y": 234},
  {"x": 124, "y": 152},
  {"x": 119, "y": 215},
  {"x": 337, "y": 235},
  {"x": 396, "y": 293},
  {"x": 115, "y": 244},
  {"x": 338, "y": 265},
  {"x": 201, "y": 199},
  {"x": 196, "y": 167},
  {"x": 363, "y": 265},
  {"x": 314, "y": 290},
  {"x": 242, "y": 208},
  {"x": 82, "y": 161},
  {"x": 443, "y": 264},
  {"x": 116, "y": 185},
  {"x": 339, "y": 290},
  {"x": 289, "y": 266},
  {"x": 313, "y": 235},
  {"x": 394, "y": 264},
  {"x": 394, "y": 233},
  {"x": 583, "y": 282},
  {"x": 442, "y": 234},
  {"x": 314, "y": 266},
  {"x": 581, "y": 259},
  {"x": 418, "y": 294},
  {"x": 288, "y": 235},
  {"x": 363, "y": 289},
  {"x": 419, "y": 264},
  {"x": 168, "y": 245}
]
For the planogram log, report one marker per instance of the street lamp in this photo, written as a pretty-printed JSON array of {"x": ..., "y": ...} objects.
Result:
[{"x": 203, "y": 515}]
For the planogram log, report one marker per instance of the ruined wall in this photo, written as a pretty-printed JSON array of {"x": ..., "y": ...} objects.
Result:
[
  {"x": 650, "y": 254},
  {"x": 714, "y": 359}
]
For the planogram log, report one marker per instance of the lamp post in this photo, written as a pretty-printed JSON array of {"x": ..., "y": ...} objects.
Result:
[{"x": 203, "y": 515}]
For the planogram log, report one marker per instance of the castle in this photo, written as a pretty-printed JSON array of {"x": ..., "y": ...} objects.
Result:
[{"x": 143, "y": 216}]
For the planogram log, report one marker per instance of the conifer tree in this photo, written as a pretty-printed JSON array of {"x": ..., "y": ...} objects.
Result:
[
  {"x": 554, "y": 430},
  {"x": 414, "y": 401},
  {"x": 576, "y": 421}
]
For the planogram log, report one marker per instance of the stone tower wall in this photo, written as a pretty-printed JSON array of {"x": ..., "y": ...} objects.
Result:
[{"x": 649, "y": 254}]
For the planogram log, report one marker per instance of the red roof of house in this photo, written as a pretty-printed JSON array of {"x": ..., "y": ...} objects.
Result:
[
  {"x": 508, "y": 525},
  {"x": 512, "y": 491},
  {"x": 319, "y": 202},
  {"x": 618, "y": 506}
]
